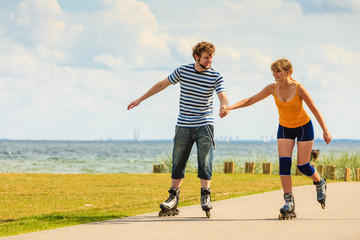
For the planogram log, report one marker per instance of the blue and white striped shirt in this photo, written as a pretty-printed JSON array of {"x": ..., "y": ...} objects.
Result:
[{"x": 196, "y": 94}]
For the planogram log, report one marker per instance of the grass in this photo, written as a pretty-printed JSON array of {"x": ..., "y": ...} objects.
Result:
[
  {"x": 34, "y": 202},
  {"x": 341, "y": 161}
]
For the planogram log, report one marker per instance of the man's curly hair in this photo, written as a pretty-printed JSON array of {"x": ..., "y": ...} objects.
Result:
[{"x": 201, "y": 47}]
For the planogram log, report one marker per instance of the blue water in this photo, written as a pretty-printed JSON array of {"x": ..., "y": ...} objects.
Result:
[{"x": 129, "y": 156}]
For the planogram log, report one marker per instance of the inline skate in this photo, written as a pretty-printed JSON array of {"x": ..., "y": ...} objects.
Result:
[
  {"x": 288, "y": 210},
  {"x": 206, "y": 201},
  {"x": 169, "y": 207},
  {"x": 321, "y": 192}
]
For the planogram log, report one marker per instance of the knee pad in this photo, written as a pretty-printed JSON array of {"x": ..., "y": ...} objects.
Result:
[
  {"x": 285, "y": 166},
  {"x": 306, "y": 169}
]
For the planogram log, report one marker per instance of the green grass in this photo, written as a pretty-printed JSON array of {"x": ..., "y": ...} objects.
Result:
[
  {"x": 34, "y": 202},
  {"x": 341, "y": 161}
]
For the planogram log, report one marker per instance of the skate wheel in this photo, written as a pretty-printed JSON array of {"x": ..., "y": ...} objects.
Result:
[
  {"x": 208, "y": 214},
  {"x": 177, "y": 212},
  {"x": 280, "y": 216},
  {"x": 323, "y": 205},
  {"x": 160, "y": 214}
]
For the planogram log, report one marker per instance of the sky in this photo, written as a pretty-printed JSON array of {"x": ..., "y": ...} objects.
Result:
[{"x": 69, "y": 69}]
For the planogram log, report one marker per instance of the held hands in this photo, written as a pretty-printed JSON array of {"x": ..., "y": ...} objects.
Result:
[{"x": 224, "y": 111}]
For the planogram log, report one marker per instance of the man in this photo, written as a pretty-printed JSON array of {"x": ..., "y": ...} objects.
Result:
[{"x": 195, "y": 122}]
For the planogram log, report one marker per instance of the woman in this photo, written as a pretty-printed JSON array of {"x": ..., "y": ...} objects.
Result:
[{"x": 294, "y": 123}]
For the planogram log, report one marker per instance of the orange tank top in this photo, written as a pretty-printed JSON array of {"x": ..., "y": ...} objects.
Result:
[{"x": 291, "y": 113}]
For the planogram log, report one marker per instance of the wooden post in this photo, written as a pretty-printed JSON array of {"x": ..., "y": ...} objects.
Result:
[
  {"x": 249, "y": 167},
  {"x": 252, "y": 167},
  {"x": 347, "y": 174},
  {"x": 158, "y": 168},
  {"x": 358, "y": 174},
  {"x": 229, "y": 167},
  {"x": 267, "y": 168},
  {"x": 320, "y": 169},
  {"x": 330, "y": 172},
  {"x": 333, "y": 173}
]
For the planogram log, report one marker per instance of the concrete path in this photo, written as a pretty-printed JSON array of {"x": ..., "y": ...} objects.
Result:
[{"x": 250, "y": 217}]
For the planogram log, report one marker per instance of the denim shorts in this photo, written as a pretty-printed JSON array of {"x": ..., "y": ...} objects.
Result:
[
  {"x": 183, "y": 142},
  {"x": 302, "y": 133}
]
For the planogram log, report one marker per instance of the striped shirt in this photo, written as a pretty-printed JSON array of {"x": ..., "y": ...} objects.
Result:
[{"x": 196, "y": 94}]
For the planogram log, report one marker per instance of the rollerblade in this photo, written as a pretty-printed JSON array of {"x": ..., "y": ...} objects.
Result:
[
  {"x": 321, "y": 192},
  {"x": 288, "y": 210},
  {"x": 206, "y": 201},
  {"x": 169, "y": 207}
]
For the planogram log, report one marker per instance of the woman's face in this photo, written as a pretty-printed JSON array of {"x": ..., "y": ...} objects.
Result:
[{"x": 280, "y": 75}]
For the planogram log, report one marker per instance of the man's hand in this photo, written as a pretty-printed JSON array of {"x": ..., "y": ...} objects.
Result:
[
  {"x": 224, "y": 111},
  {"x": 133, "y": 104}
]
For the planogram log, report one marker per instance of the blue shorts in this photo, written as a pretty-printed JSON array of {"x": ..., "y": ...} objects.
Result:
[{"x": 303, "y": 133}]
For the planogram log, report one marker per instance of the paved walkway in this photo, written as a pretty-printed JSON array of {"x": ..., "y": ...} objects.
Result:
[{"x": 250, "y": 217}]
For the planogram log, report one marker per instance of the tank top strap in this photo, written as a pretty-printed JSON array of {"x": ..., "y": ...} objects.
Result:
[
  {"x": 275, "y": 89},
  {"x": 296, "y": 91}
]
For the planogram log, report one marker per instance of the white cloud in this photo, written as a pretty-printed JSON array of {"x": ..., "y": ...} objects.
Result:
[
  {"x": 334, "y": 54},
  {"x": 52, "y": 54},
  {"x": 124, "y": 29},
  {"x": 38, "y": 21},
  {"x": 259, "y": 7},
  {"x": 314, "y": 71},
  {"x": 110, "y": 61},
  {"x": 259, "y": 59},
  {"x": 135, "y": 27}
]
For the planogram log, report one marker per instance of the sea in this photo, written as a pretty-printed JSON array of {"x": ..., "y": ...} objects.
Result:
[{"x": 120, "y": 156}]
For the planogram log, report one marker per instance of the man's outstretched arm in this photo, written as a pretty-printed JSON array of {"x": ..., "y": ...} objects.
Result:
[{"x": 152, "y": 91}]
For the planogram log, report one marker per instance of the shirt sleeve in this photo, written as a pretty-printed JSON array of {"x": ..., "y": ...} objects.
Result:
[
  {"x": 220, "y": 85},
  {"x": 174, "y": 77}
]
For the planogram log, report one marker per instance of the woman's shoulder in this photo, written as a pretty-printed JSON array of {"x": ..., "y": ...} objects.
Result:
[
  {"x": 271, "y": 85},
  {"x": 300, "y": 86},
  {"x": 270, "y": 88},
  {"x": 301, "y": 90}
]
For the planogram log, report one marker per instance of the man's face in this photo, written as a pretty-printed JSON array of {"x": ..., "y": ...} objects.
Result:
[{"x": 204, "y": 60}]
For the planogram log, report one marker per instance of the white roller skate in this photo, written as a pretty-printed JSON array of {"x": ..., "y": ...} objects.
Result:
[
  {"x": 206, "y": 201},
  {"x": 169, "y": 207}
]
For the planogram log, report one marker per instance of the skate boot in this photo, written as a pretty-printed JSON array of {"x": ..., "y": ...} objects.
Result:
[
  {"x": 206, "y": 201},
  {"x": 169, "y": 207},
  {"x": 321, "y": 192},
  {"x": 288, "y": 210}
]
